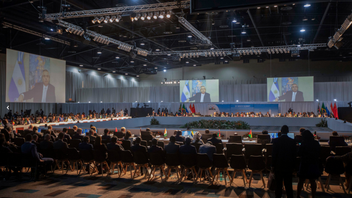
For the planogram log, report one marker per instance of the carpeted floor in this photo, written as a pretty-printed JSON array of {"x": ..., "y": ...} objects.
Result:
[{"x": 72, "y": 185}]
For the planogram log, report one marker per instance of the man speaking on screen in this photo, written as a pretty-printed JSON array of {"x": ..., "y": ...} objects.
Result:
[
  {"x": 200, "y": 97},
  {"x": 292, "y": 96},
  {"x": 42, "y": 91}
]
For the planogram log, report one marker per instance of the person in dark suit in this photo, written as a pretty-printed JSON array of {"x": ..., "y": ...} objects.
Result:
[
  {"x": 200, "y": 97},
  {"x": 29, "y": 148},
  {"x": 283, "y": 162},
  {"x": 42, "y": 91},
  {"x": 154, "y": 148},
  {"x": 46, "y": 144},
  {"x": 208, "y": 149},
  {"x": 60, "y": 144},
  {"x": 292, "y": 96},
  {"x": 85, "y": 145},
  {"x": 172, "y": 147},
  {"x": 114, "y": 146},
  {"x": 137, "y": 147},
  {"x": 67, "y": 136},
  {"x": 91, "y": 136},
  {"x": 206, "y": 135},
  {"x": 179, "y": 137},
  {"x": 309, "y": 168},
  {"x": 188, "y": 148},
  {"x": 78, "y": 135},
  {"x": 214, "y": 140},
  {"x": 336, "y": 142}
]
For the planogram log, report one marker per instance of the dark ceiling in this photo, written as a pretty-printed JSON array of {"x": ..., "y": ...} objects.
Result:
[{"x": 276, "y": 26}]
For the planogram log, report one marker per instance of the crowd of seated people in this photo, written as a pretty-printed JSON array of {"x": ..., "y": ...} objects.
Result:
[
  {"x": 284, "y": 152},
  {"x": 39, "y": 117}
]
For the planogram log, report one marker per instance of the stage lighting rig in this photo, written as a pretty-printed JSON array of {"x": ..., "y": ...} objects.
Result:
[{"x": 334, "y": 41}]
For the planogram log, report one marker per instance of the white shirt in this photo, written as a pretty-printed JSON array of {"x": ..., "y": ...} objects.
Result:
[
  {"x": 45, "y": 90},
  {"x": 202, "y": 97},
  {"x": 294, "y": 96}
]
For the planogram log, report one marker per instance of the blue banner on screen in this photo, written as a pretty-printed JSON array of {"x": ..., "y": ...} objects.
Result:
[
  {"x": 256, "y": 108},
  {"x": 199, "y": 90},
  {"x": 290, "y": 89}
]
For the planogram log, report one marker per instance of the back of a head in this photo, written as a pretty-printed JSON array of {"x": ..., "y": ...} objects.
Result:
[
  {"x": 28, "y": 137},
  {"x": 188, "y": 141},
  {"x": 123, "y": 129},
  {"x": 64, "y": 130},
  {"x": 128, "y": 134},
  {"x": 138, "y": 140},
  {"x": 265, "y": 132},
  {"x": 154, "y": 142},
  {"x": 179, "y": 133},
  {"x": 79, "y": 131},
  {"x": 86, "y": 139},
  {"x": 98, "y": 141},
  {"x": 307, "y": 136},
  {"x": 106, "y": 131},
  {"x": 94, "y": 128},
  {"x": 47, "y": 137},
  {"x": 284, "y": 129},
  {"x": 301, "y": 130},
  {"x": 207, "y": 131},
  {"x": 35, "y": 129},
  {"x": 30, "y": 126},
  {"x": 50, "y": 127},
  {"x": 61, "y": 136},
  {"x": 215, "y": 135},
  {"x": 91, "y": 132},
  {"x": 35, "y": 137},
  {"x": 148, "y": 130},
  {"x": 74, "y": 127},
  {"x": 114, "y": 139},
  {"x": 334, "y": 133},
  {"x": 172, "y": 139}
]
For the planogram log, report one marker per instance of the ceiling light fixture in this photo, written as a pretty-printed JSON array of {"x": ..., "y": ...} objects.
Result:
[{"x": 307, "y": 5}]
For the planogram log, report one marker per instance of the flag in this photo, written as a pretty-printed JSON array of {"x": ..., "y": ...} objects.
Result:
[
  {"x": 115, "y": 129},
  {"x": 190, "y": 108},
  {"x": 219, "y": 133},
  {"x": 192, "y": 133},
  {"x": 25, "y": 121},
  {"x": 323, "y": 109},
  {"x": 250, "y": 134},
  {"x": 332, "y": 110},
  {"x": 165, "y": 133},
  {"x": 184, "y": 109},
  {"x": 185, "y": 93},
  {"x": 194, "y": 109},
  {"x": 69, "y": 127},
  {"x": 274, "y": 91},
  {"x": 336, "y": 113},
  {"x": 318, "y": 108},
  {"x": 18, "y": 80},
  {"x": 180, "y": 109}
]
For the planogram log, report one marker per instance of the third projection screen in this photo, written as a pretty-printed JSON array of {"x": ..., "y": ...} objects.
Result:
[
  {"x": 199, "y": 90},
  {"x": 290, "y": 89}
]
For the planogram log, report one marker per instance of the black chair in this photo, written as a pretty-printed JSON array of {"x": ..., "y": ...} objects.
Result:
[
  {"x": 157, "y": 161},
  {"x": 334, "y": 167},
  {"x": 74, "y": 143},
  {"x": 147, "y": 137},
  {"x": 61, "y": 156},
  {"x": 263, "y": 139},
  {"x": 205, "y": 137},
  {"x": 253, "y": 149},
  {"x": 257, "y": 165},
  {"x": 173, "y": 162},
  {"x": 233, "y": 148},
  {"x": 325, "y": 152},
  {"x": 18, "y": 141},
  {"x": 74, "y": 157},
  {"x": 70, "y": 132},
  {"x": 126, "y": 144},
  {"x": 220, "y": 164},
  {"x": 100, "y": 159},
  {"x": 87, "y": 158},
  {"x": 127, "y": 161},
  {"x": 189, "y": 162},
  {"x": 341, "y": 150},
  {"x": 336, "y": 141},
  {"x": 204, "y": 164},
  {"x": 197, "y": 146},
  {"x": 114, "y": 158},
  {"x": 144, "y": 143},
  {"x": 141, "y": 159},
  {"x": 119, "y": 134},
  {"x": 235, "y": 139},
  {"x": 28, "y": 161},
  {"x": 238, "y": 163},
  {"x": 20, "y": 132},
  {"x": 269, "y": 149},
  {"x": 219, "y": 148},
  {"x": 161, "y": 144}
]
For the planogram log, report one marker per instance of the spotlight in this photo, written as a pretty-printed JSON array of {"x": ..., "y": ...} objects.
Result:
[
  {"x": 194, "y": 65},
  {"x": 81, "y": 65},
  {"x": 189, "y": 36},
  {"x": 156, "y": 14},
  {"x": 302, "y": 30},
  {"x": 307, "y": 5},
  {"x": 234, "y": 21},
  {"x": 142, "y": 43},
  {"x": 243, "y": 32},
  {"x": 101, "y": 19},
  {"x": 335, "y": 100},
  {"x": 117, "y": 57},
  {"x": 143, "y": 16},
  {"x": 112, "y": 19},
  {"x": 144, "y": 65},
  {"x": 107, "y": 18},
  {"x": 161, "y": 15},
  {"x": 168, "y": 14},
  {"x": 118, "y": 18},
  {"x": 317, "y": 100},
  {"x": 98, "y": 52},
  {"x": 99, "y": 68},
  {"x": 47, "y": 38},
  {"x": 95, "y": 20},
  {"x": 150, "y": 15}
]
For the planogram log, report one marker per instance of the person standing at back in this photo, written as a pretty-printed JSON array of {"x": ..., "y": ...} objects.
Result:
[{"x": 283, "y": 162}]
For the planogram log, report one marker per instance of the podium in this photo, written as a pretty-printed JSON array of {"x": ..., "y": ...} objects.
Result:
[
  {"x": 141, "y": 112},
  {"x": 345, "y": 113}
]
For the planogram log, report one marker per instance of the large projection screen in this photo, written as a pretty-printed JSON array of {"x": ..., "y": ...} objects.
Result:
[
  {"x": 290, "y": 89},
  {"x": 199, "y": 90},
  {"x": 32, "y": 78}
]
